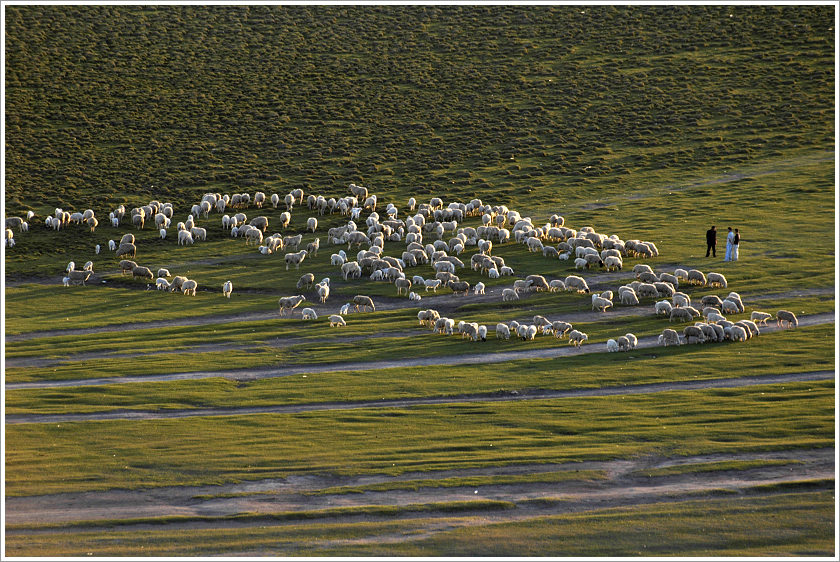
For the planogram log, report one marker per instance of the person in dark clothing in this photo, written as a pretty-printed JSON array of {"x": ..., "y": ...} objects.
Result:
[
  {"x": 711, "y": 242},
  {"x": 736, "y": 240}
]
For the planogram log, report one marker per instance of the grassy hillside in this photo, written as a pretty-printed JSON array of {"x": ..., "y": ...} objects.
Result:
[{"x": 106, "y": 104}]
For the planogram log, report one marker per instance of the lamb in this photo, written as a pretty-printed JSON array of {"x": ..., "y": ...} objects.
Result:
[
  {"x": 696, "y": 277},
  {"x": 786, "y": 318},
  {"x": 576, "y": 338},
  {"x": 669, "y": 337},
  {"x": 575, "y": 283},
  {"x": 601, "y": 304},
  {"x": 556, "y": 285},
  {"x": 189, "y": 286},
  {"x": 227, "y": 288},
  {"x": 432, "y": 284},
  {"x": 363, "y": 302},
  {"x": 112, "y": 245},
  {"x": 412, "y": 296},
  {"x": 760, "y": 318},
  {"x": 295, "y": 259},
  {"x": 663, "y": 308},
  {"x": 311, "y": 224},
  {"x": 290, "y": 303},
  {"x": 612, "y": 345},
  {"x": 479, "y": 288},
  {"x": 502, "y": 331},
  {"x": 337, "y": 320},
  {"x": 142, "y": 272},
  {"x": 308, "y": 314},
  {"x": 163, "y": 273},
  {"x": 716, "y": 280},
  {"x": 509, "y": 295}
]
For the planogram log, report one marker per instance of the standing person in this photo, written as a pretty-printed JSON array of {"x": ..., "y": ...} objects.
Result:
[
  {"x": 711, "y": 242},
  {"x": 735, "y": 241},
  {"x": 729, "y": 237}
]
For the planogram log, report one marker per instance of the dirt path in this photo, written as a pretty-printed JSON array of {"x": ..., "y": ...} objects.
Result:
[
  {"x": 626, "y": 482},
  {"x": 409, "y": 402},
  {"x": 562, "y": 350}
]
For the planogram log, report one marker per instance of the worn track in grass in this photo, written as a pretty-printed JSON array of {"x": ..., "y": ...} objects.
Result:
[
  {"x": 563, "y": 350},
  {"x": 625, "y": 484}
]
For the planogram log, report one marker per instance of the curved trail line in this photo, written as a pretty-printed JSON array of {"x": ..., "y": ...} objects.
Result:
[
  {"x": 625, "y": 483},
  {"x": 409, "y": 402},
  {"x": 466, "y": 359}
]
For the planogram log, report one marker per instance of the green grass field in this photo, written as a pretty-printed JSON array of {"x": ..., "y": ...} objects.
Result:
[{"x": 648, "y": 122}]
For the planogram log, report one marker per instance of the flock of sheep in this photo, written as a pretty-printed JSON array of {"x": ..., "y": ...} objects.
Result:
[{"x": 432, "y": 236}]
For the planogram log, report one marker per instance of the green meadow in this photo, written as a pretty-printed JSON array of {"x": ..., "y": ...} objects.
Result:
[{"x": 648, "y": 122}]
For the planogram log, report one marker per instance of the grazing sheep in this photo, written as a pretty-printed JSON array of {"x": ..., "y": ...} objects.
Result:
[
  {"x": 363, "y": 302},
  {"x": 730, "y": 307},
  {"x": 351, "y": 270},
  {"x": 786, "y": 318},
  {"x": 736, "y": 333},
  {"x": 308, "y": 314},
  {"x": 680, "y": 314},
  {"x": 502, "y": 331},
  {"x": 412, "y": 296},
  {"x": 601, "y": 304},
  {"x": 509, "y": 295},
  {"x": 680, "y": 299},
  {"x": 189, "y": 286},
  {"x": 647, "y": 290},
  {"x": 401, "y": 284},
  {"x": 290, "y": 303},
  {"x": 628, "y": 297},
  {"x": 129, "y": 250},
  {"x": 185, "y": 238},
  {"x": 537, "y": 283},
  {"x": 556, "y": 285},
  {"x": 634, "y": 341},
  {"x": 161, "y": 284},
  {"x": 715, "y": 318},
  {"x": 576, "y": 338},
  {"x": 736, "y": 298},
  {"x": 751, "y": 327},
  {"x": 612, "y": 263},
  {"x": 560, "y": 328},
  {"x": 459, "y": 287},
  {"x": 696, "y": 277},
  {"x": 647, "y": 277},
  {"x": 612, "y": 345},
  {"x": 716, "y": 280},
  {"x": 760, "y": 318},
  {"x": 669, "y": 337},
  {"x": 479, "y": 288},
  {"x": 668, "y": 278},
  {"x": 694, "y": 334},
  {"x": 638, "y": 269},
  {"x": 142, "y": 272},
  {"x": 306, "y": 280},
  {"x": 337, "y": 320},
  {"x": 712, "y": 300},
  {"x": 663, "y": 308},
  {"x": 176, "y": 283},
  {"x": 575, "y": 283}
]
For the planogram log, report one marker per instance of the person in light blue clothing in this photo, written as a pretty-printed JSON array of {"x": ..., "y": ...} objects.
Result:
[
  {"x": 736, "y": 240},
  {"x": 729, "y": 238}
]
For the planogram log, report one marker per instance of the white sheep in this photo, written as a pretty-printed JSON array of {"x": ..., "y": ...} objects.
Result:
[
  {"x": 432, "y": 284},
  {"x": 612, "y": 345},
  {"x": 575, "y": 283},
  {"x": 479, "y": 288},
  {"x": 730, "y": 307},
  {"x": 509, "y": 295},
  {"x": 696, "y": 277},
  {"x": 112, "y": 245},
  {"x": 716, "y": 280},
  {"x": 760, "y": 318},
  {"x": 601, "y": 304},
  {"x": 502, "y": 331},
  {"x": 663, "y": 308},
  {"x": 308, "y": 314},
  {"x": 189, "y": 286},
  {"x": 227, "y": 288},
  {"x": 66, "y": 281},
  {"x": 632, "y": 339},
  {"x": 337, "y": 320},
  {"x": 786, "y": 318},
  {"x": 669, "y": 337},
  {"x": 97, "y": 248},
  {"x": 576, "y": 338}
]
